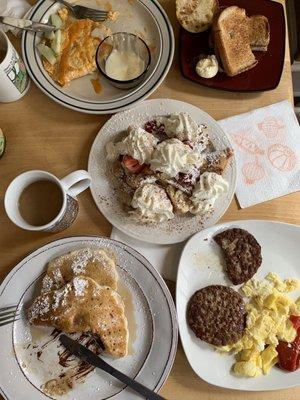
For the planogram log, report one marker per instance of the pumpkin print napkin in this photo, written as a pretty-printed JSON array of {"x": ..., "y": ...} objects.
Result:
[{"x": 267, "y": 149}]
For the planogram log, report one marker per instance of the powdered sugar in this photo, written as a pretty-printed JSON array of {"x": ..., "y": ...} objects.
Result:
[
  {"x": 80, "y": 285},
  {"x": 47, "y": 283},
  {"x": 60, "y": 296},
  {"x": 39, "y": 307},
  {"x": 80, "y": 261}
]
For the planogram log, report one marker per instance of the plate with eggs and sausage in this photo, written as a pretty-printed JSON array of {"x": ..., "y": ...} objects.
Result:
[{"x": 238, "y": 305}]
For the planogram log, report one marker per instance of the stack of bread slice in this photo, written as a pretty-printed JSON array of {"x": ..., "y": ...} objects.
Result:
[
  {"x": 235, "y": 36},
  {"x": 79, "y": 295}
]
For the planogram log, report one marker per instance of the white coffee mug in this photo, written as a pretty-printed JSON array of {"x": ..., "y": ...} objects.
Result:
[
  {"x": 14, "y": 80},
  {"x": 72, "y": 185}
]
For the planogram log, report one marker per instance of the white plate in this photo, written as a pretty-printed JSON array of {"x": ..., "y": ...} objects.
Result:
[
  {"x": 152, "y": 351},
  {"x": 179, "y": 228},
  {"x": 145, "y": 18},
  {"x": 200, "y": 266}
]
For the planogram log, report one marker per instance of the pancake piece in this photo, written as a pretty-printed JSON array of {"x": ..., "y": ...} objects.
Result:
[
  {"x": 97, "y": 264},
  {"x": 217, "y": 315},
  {"x": 84, "y": 306},
  {"x": 242, "y": 254},
  {"x": 217, "y": 161}
]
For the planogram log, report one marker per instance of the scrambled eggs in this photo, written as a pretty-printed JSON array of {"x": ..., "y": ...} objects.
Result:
[{"x": 267, "y": 322}]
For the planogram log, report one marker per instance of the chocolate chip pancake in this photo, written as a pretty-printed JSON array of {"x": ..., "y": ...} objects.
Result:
[
  {"x": 242, "y": 254},
  {"x": 84, "y": 306},
  {"x": 217, "y": 315}
]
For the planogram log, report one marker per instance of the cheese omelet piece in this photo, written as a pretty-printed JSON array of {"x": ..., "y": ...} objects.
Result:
[
  {"x": 78, "y": 49},
  {"x": 267, "y": 322}
]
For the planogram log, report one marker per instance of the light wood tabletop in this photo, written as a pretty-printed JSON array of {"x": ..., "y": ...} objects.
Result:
[{"x": 43, "y": 135}]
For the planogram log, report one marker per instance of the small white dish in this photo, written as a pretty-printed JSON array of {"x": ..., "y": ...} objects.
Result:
[
  {"x": 152, "y": 327},
  {"x": 179, "y": 228},
  {"x": 201, "y": 265}
]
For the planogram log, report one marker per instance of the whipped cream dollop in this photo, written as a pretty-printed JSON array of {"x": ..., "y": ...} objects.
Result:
[
  {"x": 206, "y": 191},
  {"x": 181, "y": 126},
  {"x": 138, "y": 144},
  {"x": 172, "y": 156},
  {"x": 151, "y": 204}
]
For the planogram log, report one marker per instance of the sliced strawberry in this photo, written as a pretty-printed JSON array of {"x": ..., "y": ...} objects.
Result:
[{"x": 132, "y": 165}]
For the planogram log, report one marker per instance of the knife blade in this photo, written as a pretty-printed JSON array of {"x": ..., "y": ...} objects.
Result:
[
  {"x": 27, "y": 24},
  {"x": 87, "y": 355}
]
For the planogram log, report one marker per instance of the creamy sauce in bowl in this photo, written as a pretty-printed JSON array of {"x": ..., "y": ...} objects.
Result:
[{"x": 124, "y": 65}]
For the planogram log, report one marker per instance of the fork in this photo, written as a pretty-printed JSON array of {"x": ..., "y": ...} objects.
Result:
[
  {"x": 8, "y": 315},
  {"x": 85, "y": 12}
]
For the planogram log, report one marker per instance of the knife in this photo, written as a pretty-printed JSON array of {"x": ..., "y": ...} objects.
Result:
[
  {"x": 87, "y": 355},
  {"x": 27, "y": 24}
]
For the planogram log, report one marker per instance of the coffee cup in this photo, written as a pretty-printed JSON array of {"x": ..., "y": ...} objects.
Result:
[
  {"x": 36, "y": 192},
  {"x": 14, "y": 80}
]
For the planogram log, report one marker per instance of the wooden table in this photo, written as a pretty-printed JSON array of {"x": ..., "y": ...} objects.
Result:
[{"x": 43, "y": 135}]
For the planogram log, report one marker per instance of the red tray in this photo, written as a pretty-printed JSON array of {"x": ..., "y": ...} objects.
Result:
[{"x": 265, "y": 76}]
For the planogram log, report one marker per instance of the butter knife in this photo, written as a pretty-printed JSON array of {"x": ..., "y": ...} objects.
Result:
[
  {"x": 27, "y": 24},
  {"x": 87, "y": 355}
]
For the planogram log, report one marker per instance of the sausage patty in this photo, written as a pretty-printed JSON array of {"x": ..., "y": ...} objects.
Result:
[
  {"x": 217, "y": 315},
  {"x": 242, "y": 254}
]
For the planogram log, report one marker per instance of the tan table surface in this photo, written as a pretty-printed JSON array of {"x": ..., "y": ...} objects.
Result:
[{"x": 43, "y": 135}]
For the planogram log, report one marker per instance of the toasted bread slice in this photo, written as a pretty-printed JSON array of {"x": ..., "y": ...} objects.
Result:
[
  {"x": 259, "y": 32},
  {"x": 196, "y": 15},
  {"x": 232, "y": 41}
]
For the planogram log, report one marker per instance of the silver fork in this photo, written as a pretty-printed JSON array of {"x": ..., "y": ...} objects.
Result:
[
  {"x": 9, "y": 315},
  {"x": 85, "y": 12}
]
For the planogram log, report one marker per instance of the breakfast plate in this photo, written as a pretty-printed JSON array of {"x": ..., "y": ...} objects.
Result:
[
  {"x": 146, "y": 19},
  {"x": 29, "y": 354},
  {"x": 104, "y": 191},
  {"x": 264, "y": 76},
  {"x": 201, "y": 265}
]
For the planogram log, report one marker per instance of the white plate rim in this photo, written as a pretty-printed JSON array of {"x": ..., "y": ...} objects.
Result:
[
  {"x": 125, "y": 103},
  {"x": 147, "y": 105},
  {"x": 169, "y": 300},
  {"x": 217, "y": 227}
]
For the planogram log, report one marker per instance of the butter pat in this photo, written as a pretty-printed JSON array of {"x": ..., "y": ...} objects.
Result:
[{"x": 207, "y": 67}]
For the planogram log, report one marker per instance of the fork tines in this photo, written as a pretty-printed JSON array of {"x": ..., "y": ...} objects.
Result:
[
  {"x": 91, "y": 13},
  {"x": 8, "y": 315}
]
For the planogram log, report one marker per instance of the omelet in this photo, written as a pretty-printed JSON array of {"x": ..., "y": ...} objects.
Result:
[
  {"x": 78, "y": 48},
  {"x": 268, "y": 312}
]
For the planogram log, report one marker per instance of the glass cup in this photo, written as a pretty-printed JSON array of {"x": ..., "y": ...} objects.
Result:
[{"x": 123, "y": 42}]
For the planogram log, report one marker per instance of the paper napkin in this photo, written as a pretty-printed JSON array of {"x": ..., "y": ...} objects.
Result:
[
  {"x": 164, "y": 258},
  {"x": 13, "y": 8},
  {"x": 267, "y": 149}
]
